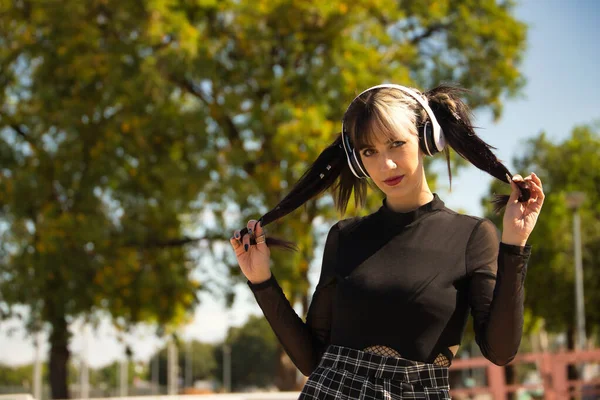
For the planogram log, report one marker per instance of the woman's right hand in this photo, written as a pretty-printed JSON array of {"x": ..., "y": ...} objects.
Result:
[{"x": 253, "y": 259}]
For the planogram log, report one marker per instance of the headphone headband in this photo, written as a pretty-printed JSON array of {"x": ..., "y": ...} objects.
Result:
[{"x": 438, "y": 134}]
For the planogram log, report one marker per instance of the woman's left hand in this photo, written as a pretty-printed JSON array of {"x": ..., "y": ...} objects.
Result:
[{"x": 520, "y": 218}]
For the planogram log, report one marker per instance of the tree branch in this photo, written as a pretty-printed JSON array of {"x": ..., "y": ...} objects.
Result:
[
  {"x": 434, "y": 28},
  {"x": 19, "y": 131},
  {"x": 216, "y": 112},
  {"x": 180, "y": 242}
]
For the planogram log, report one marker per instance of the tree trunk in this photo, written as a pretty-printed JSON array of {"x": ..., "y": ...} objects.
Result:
[{"x": 59, "y": 359}]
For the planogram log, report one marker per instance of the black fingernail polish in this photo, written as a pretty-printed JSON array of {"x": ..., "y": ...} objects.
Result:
[
  {"x": 246, "y": 247},
  {"x": 249, "y": 231},
  {"x": 237, "y": 235}
]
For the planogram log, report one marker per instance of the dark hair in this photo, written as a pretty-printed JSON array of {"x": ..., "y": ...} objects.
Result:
[
  {"x": 331, "y": 168},
  {"x": 454, "y": 117}
]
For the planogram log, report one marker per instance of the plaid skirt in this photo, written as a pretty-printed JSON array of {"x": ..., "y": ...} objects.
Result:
[{"x": 346, "y": 373}]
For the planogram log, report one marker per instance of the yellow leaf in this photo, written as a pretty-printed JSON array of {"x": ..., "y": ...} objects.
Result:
[{"x": 275, "y": 182}]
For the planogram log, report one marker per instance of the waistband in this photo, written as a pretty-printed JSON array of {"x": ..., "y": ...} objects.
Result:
[{"x": 373, "y": 365}]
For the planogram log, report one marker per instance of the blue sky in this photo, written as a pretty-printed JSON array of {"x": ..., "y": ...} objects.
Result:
[
  {"x": 561, "y": 66},
  {"x": 563, "y": 90}
]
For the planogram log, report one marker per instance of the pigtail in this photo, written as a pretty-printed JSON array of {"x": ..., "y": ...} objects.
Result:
[
  {"x": 320, "y": 176},
  {"x": 454, "y": 117}
]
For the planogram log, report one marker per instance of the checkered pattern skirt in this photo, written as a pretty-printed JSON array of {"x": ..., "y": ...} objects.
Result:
[{"x": 351, "y": 374}]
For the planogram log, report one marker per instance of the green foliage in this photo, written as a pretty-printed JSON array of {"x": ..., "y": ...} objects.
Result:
[
  {"x": 253, "y": 355},
  {"x": 118, "y": 119},
  {"x": 572, "y": 165},
  {"x": 203, "y": 362},
  {"x": 109, "y": 376},
  {"x": 16, "y": 375},
  {"x": 279, "y": 74},
  {"x": 100, "y": 157}
]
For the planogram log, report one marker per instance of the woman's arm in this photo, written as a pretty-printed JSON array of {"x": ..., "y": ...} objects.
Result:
[
  {"x": 497, "y": 275},
  {"x": 304, "y": 342}
]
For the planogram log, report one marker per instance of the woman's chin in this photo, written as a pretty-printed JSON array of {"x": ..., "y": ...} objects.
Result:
[{"x": 393, "y": 191}]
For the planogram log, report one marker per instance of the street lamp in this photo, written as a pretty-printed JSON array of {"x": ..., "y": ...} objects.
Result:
[
  {"x": 574, "y": 202},
  {"x": 172, "y": 367},
  {"x": 37, "y": 367},
  {"x": 227, "y": 368},
  {"x": 84, "y": 376},
  {"x": 227, "y": 352}
]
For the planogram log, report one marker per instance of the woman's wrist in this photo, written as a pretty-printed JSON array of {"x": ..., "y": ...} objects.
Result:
[
  {"x": 514, "y": 241},
  {"x": 259, "y": 280}
]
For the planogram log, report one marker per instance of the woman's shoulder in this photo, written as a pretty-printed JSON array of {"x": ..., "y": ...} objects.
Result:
[
  {"x": 348, "y": 225},
  {"x": 466, "y": 225},
  {"x": 472, "y": 221},
  {"x": 343, "y": 226}
]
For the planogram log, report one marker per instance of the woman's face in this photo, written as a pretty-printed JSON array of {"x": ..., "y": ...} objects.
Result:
[{"x": 396, "y": 157}]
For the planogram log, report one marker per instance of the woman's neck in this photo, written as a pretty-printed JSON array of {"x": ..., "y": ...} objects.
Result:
[{"x": 406, "y": 204}]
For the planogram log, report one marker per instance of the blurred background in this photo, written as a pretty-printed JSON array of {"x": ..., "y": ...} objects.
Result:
[{"x": 136, "y": 136}]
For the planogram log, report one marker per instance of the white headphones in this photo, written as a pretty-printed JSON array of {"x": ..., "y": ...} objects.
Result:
[{"x": 431, "y": 138}]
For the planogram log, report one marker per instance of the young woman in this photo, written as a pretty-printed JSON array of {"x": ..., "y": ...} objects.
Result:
[{"x": 396, "y": 286}]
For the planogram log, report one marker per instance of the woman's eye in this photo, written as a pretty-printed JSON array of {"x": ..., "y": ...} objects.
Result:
[
  {"x": 366, "y": 153},
  {"x": 398, "y": 143}
]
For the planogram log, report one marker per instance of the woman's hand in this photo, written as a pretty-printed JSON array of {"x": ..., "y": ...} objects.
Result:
[
  {"x": 253, "y": 259},
  {"x": 520, "y": 218}
]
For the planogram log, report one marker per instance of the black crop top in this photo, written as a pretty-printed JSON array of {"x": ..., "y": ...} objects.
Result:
[{"x": 407, "y": 281}]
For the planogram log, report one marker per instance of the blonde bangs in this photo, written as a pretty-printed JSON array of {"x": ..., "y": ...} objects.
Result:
[{"x": 385, "y": 122}]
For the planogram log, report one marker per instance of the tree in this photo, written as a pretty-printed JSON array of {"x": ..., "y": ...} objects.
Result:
[
  {"x": 279, "y": 74},
  {"x": 101, "y": 157},
  {"x": 571, "y": 165},
  {"x": 124, "y": 117},
  {"x": 203, "y": 363},
  {"x": 563, "y": 167},
  {"x": 254, "y": 355}
]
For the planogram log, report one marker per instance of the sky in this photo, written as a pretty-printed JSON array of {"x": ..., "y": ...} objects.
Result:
[{"x": 561, "y": 66}]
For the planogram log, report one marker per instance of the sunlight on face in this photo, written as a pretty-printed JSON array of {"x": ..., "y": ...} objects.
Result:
[{"x": 391, "y": 149}]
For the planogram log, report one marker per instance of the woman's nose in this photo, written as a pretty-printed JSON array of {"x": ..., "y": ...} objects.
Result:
[{"x": 389, "y": 163}]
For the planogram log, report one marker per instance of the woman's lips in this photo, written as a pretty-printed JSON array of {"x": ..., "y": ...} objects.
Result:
[{"x": 395, "y": 181}]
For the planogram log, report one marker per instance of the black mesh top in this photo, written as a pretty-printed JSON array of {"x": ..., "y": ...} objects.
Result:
[{"x": 407, "y": 281}]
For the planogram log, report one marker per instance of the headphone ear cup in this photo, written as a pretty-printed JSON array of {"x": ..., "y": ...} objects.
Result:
[
  {"x": 354, "y": 162},
  {"x": 422, "y": 134},
  {"x": 426, "y": 139}
]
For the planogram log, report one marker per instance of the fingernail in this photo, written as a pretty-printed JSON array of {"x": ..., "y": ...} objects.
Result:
[
  {"x": 246, "y": 247},
  {"x": 249, "y": 231},
  {"x": 237, "y": 235}
]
